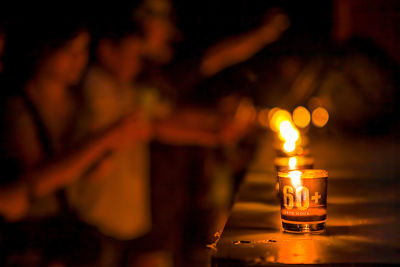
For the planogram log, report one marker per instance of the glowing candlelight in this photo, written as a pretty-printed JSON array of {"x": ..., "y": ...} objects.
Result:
[
  {"x": 289, "y": 134},
  {"x": 277, "y": 117}
]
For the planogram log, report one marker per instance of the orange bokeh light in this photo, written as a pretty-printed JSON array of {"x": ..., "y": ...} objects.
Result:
[
  {"x": 288, "y": 132},
  {"x": 278, "y": 117},
  {"x": 301, "y": 117},
  {"x": 263, "y": 117},
  {"x": 271, "y": 112},
  {"x": 320, "y": 117}
]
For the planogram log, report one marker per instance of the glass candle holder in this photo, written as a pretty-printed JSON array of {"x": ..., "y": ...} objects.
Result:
[{"x": 303, "y": 196}]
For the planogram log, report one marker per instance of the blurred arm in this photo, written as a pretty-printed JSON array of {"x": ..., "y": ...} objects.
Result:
[
  {"x": 46, "y": 177},
  {"x": 173, "y": 131},
  {"x": 239, "y": 48},
  {"x": 197, "y": 127}
]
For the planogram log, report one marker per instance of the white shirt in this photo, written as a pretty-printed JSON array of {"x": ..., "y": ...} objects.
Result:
[{"x": 119, "y": 204}]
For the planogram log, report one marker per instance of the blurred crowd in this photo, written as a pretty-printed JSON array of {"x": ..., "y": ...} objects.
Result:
[
  {"x": 119, "y": 147},
  {"x": 101, "y": 168}
]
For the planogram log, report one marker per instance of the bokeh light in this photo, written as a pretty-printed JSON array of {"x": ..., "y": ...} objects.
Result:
[
  {"x": 271, "y": 112},
  {"x": 301, "y": 117},
  {"x": 278, "y": 117},
  {"x": 263, "y": 117},
  {"x": 320, "y": 117}
]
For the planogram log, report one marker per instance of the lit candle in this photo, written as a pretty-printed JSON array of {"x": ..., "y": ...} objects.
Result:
[
  {"x": 303, "y": 195},
  {"x": 289, "y": 142}
]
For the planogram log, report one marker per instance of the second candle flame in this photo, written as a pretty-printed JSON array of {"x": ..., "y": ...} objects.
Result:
[{"x": 289, "y": 134}]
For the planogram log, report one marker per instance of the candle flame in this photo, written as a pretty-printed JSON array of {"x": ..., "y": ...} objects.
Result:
[
  {"x": 263, "y": 117},
  {"x": 289, "y": 134},
  {"x": 281, "y": 122},
  {"x": 292, "y": 163},
  {"x": 295, "y": 177}
]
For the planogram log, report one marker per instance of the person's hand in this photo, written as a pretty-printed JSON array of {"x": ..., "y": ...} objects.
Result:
[
  {"x": 131, "y": 129},
  {"x": 230, "y": 133},
  {"x": 275, "y": 19},
  {"x": 236, "y": 128}
]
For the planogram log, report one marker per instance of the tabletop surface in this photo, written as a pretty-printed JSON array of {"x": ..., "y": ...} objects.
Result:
[{"x": 363, "y": 225}]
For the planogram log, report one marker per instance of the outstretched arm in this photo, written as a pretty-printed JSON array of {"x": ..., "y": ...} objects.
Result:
[
  {"x": 239, "y": 48},
  {"x": 46, "y": 177},
  {"x": 198, "y": 127}
]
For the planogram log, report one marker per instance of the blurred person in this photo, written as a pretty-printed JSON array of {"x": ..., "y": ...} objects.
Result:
[
  {"x": 159, "y": 29},
  {"x": 117, "y": 203},
  {"x": 162, "y": 36},
  {"x": 161, "y": 33},
  {"x": 42, "y": 60}
]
